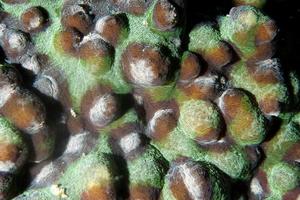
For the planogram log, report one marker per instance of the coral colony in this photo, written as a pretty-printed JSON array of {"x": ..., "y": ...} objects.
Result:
[{"x": 143, "y": 117}]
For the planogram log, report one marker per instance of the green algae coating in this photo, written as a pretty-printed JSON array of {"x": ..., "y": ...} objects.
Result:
[
  {"x": 246, "y": 21},
  {"x": 285, "y": 138},
  {"x": 148, "y": 169},
  {"x": 233, "y": 162},
  {"x": 255, "y": 132},
  {"x": 198, "y": 117},
  {"x": 241, "y": 78},
  {"x": 204, "y": 38},
  {"x": 76, "y": 70},
  {"x": 177, "y": 144},
  {"x": 295, "y": 87},
  {"x": 219, "y": 181},
  {"x": 296, "y": 119},
  {"x": 9, "y": 134},
  {"x": 283, "y": 177},
  {"x": 94, "y": 168},
  {"x": 220, "y": 187},
  {"x": 161, "y": 93},
  {"x": 39, "y": 194}
]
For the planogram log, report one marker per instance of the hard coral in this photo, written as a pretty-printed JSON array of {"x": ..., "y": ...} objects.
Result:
[{"x": 101, "y": 101}]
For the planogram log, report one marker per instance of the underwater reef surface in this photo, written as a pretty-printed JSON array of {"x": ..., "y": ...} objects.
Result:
[{"x": 148, "y": 99}]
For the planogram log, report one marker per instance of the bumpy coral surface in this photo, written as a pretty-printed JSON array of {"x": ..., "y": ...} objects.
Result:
[{"x": 99, "y": 99}]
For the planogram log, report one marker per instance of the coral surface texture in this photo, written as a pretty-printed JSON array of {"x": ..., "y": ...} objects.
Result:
[{"x": 120, "y": 100}]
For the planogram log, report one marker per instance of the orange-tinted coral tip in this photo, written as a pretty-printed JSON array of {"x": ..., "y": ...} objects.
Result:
[
  {"x": 218, "y": 57},
  {"x": 68, "y": 41},
  {"x": 143, "y": 192},
  {"x": 182, "y": 188},
  {"x": 8, "y": 152},
  {"x": 165, "y": 15},
  {"x": 99, "y": 107},
  {"x": 25, "y": 111},
  {"x": 93, "y": 46},
  {"x": 98, "y": 192},
  {"x": 266, "y": 32},
  {"x": 144, "y": 65},
  {"x": 33, "y": 19},
  {"x": 77, "y": 17},
  {"x": 190, "y": 67},
  {"x": 161, "y": 124},
  {"x": 110, "y": 28}
]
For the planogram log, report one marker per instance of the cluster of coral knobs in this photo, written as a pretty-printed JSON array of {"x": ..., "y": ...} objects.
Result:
[{"x": 115, "y": 99}]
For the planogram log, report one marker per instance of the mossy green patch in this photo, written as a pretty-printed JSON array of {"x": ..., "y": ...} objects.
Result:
[
  {"x": 177, "y": 144},
  {"x": 148, "y": 169},
  {"x": 240, "y": 28},
  {"x": 38, "y": 194},
  {"x": 204, "y": 38},
  {"x": 286, "y": 136},
  {"x": 161, "y": 93},
  {"x": 93, "y": 168},
  {"x": 241, "y": 78},
  {"x": 283, "y": 177},
  {"x": 296, "y": 118},
  {"x": 233, "y": 162},
  {"x": 295, "y": 89},
  {"x": 198, "y": 117},
  {"x": 9, "y": 134},
  {"x": 248, "y": 126}
]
